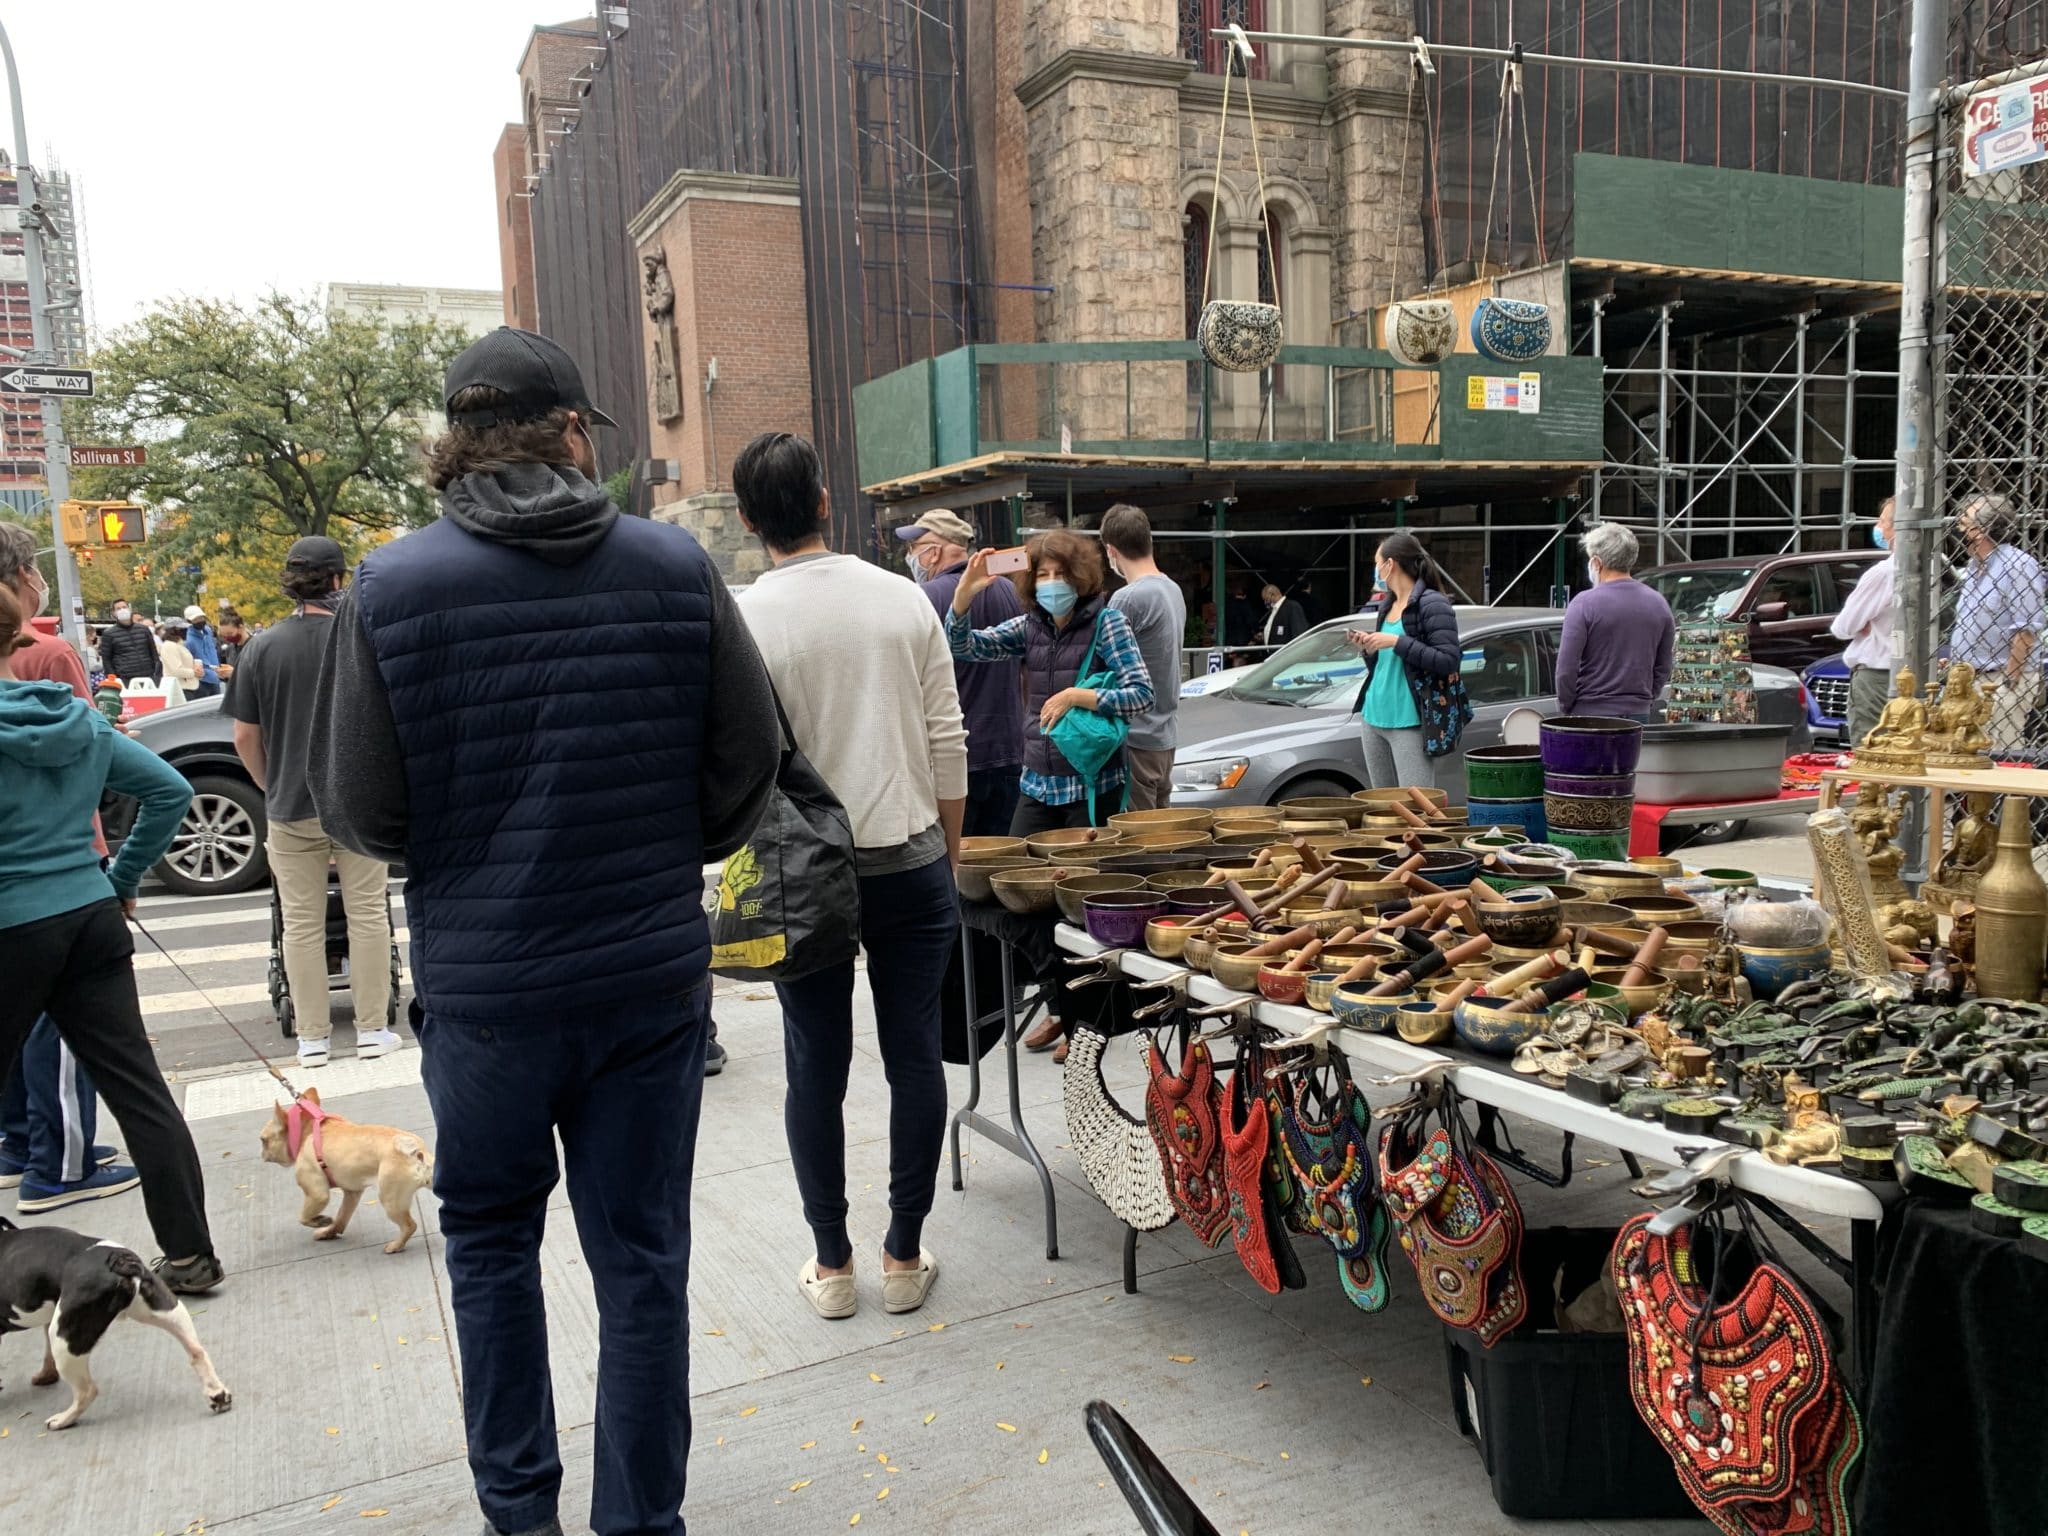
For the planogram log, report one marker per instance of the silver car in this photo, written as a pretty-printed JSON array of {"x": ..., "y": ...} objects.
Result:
[{"x": 1289, "y": 726}]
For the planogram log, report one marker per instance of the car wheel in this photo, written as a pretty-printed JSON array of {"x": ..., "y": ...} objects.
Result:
[
  {"x": 1700, "y": 835},
  {"x": 1303, "y": 789},
  {"x": 219, "y": 847}
]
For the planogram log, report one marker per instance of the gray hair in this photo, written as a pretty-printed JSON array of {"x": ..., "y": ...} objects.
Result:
[
  {"x": 1613, "y": 546},
  {"x": 1992, "y": 513},
  {"x": 17, "y": 552}
]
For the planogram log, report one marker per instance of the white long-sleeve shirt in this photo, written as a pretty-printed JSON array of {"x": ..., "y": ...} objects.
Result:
[
  {"x": 866, "y": 677},
  {"x": 1866, "y": 619}
]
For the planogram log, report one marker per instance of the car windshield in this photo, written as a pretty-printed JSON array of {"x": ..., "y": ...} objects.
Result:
[
  {"x": 1321, "y": 670},
  {"x": 1701, "y": 594}
]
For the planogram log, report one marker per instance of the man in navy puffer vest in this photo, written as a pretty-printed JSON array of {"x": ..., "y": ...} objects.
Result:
[{"x": 555, "y": 717}]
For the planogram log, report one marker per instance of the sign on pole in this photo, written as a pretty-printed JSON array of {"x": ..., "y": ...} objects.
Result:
[
  {"x": 83, "y": 457},
  {"x": 31, "y": 379},
  {"x": 2006, "y": 126}
]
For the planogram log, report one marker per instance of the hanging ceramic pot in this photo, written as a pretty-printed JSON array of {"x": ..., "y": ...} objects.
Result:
[
  {"x": 1511, "y": 330},
  {"x": 1420, "y": 333},
  {"x": 1239, "y": 337}
]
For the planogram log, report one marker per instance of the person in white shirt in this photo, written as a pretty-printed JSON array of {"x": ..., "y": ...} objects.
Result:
[
  {"x": 865, "y": 676},
  {"x": 1866, "y": 622}
]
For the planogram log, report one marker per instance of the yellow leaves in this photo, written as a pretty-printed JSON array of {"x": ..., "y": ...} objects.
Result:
[
  {"x": 929, "y": 1417},
  {"x": 1285, "y": 1457},
  {"x": 372, "y": 1514},
  {"x": 1001, "y": 1363},
  {"x": 1008, "y": 1429},
  {"x": 403, "y": 1340},
  {"x": 936, "y": 1328},
  {"x": 854, "y": 1521},
  {"x": 1044, "y": 1456},
  {"x": 330, "y": 1504},
  {"x": 854, "y": 1427},
  {"x": 748, "y": 1413},
  {"x": 1262, "y": 1386},
  {"x": 808, "y": 1445},
  {"x": 874, "y": 1378},
  {"x": 334, "y": 1429},
  {"x": 1182, "y": 1359},
  {"x": 881, "y": 1496},
  {"x": 1365, "y": 1381},
  {"x": 714, "y": 1333},
  {"x": 882, "y": 1457},
  {"x": 800, "y": 1484}
]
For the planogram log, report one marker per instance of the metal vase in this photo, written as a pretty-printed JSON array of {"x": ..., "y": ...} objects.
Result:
[{"x": 2012, "y": 913}]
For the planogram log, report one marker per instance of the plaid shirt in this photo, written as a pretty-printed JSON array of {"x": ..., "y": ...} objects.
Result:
[{"x": 1116, "y": 649}]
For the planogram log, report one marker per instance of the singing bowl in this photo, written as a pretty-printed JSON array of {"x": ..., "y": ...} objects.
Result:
[
  {"x": 1598, "y": 914},
  {"x": 1526, "y": 812},
  {"x": 1176, "y": 879},
  {"x": 1354, "y": 1009},
  {"x": 1658, "y": 865},
  {"x": 1730, "y": 879},
  {"x": 1587, "y": 814},
  {"x": 1590, "y": 745},
  {"x": 1771, "y": 970},
  {"x": 1321, "y": 985},
  {"x": 1169, "y": 841},
  {"x": 1076, "y": 888},
  {"x": 973, "y": 878},
  {"x": 1185, "y": 900},
  {"x": 1602, "y": 785},
  {"x": 1059, "y": 839},
  {"x": 1229, "y": 964},
  {"x": 1639, "y": 999},
  {"x": 1607, "y": 881},
  {"x": 993, "y": 847},
  {"x": 1200, "y": 945},
  {"x": 1424, "y": 1023},
  {"x": 1118, "y": 918},
  {"x": 1565, "y": 891},
  {"x": 1370, "y": 895},
  {"x": 1504, "y": 773},
  {"x": 1600, "y": 847},
  {"x": 1080, "y": 855},
  {"x": 1167, "y": 937},
  {"x": 1524, "y": 917},
  {"x": 1447, "y": 867},
  {"x": 1429, "y": 840},
  {"x": 1323, "y": 808},
  {"x": 1144, "y": 861},
  {"x": 1648, "y": 911},
  {"x": 1030, "y": 891},
  {"x": 1277, "y": 985},
  {"x": 1494, "y": 839},
  {"x": 1245, "y": 869},
  {"x": 1388, "y": 796},
  {"x": 1325, "y": 923},
  {"x": 1165, "y": 820},
  {"x": 1253, "y": 838},
  {"x": 1506, "y": 957},
  {"x": 1485, "y": 1025},
  {"x": 1691, "y": 936}
]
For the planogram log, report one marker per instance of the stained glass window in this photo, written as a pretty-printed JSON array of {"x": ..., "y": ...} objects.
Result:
[{"x": 1198, "y": 18}]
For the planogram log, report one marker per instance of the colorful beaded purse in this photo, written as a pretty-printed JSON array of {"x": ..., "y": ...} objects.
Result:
[
  {"x": 1280, "y": 1184},
  {"x": 1262, "y": 1244},
  {"x": 1744, "y": 1395},
  {"x": 1331, "y": 1160},
  {"x": 1185, "y": 1117},
  {"x": 1458, "y": 1221}
]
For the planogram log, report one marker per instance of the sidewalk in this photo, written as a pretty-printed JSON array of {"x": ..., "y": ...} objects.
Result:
[{"x": 1288, "y": 1414}]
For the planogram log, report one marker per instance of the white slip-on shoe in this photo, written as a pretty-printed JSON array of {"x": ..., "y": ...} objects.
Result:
[
  {"x": 904, "y": 1290},
  {"x": 830, "y": 1296},
  {"x": 312, "y": 1053},
  {"x": 372, "y": 1043}
]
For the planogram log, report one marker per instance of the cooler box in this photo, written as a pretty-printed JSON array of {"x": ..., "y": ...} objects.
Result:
[{"x": 1698, "y": 764}]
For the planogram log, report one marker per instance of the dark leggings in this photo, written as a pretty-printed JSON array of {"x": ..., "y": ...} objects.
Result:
[
  {"x": 78, "y": 967},
  {"x": 1036, "y": 816},
  {"x": 909, "y": 924}
]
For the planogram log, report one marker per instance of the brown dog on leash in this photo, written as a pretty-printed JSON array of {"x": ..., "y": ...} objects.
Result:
[{"x": 326, "y": 1153}]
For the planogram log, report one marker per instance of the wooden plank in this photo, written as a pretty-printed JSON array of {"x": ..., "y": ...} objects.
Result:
[{"x": 2031, "y": 782}]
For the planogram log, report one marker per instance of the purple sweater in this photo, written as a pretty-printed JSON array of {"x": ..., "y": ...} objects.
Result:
[
  {"x": 1615, "y": 654},
  {"x": 991, "y": 693}
]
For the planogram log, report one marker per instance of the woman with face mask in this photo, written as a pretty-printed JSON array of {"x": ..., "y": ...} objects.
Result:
[
  {"x": 1065, "y": 612},
  {"x": 1410, "y": 649}
]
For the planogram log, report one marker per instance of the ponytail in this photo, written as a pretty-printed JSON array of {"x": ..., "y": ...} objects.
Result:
[{"x": 1406, "y": 551}]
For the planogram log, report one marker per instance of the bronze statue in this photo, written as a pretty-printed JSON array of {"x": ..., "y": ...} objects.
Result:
[
  {"x": 659, "y": 292},
  {"x": 1894, "y": 744},
  {"x": 1875, "y": 821},
  {"x": 1812, "y": 1134},
  {"x": 1969, "y": 851},
  {"x": 1955, "y": 738}
]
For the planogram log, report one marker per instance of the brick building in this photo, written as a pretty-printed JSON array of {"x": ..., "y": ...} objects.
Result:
[{"x": 22, "y": 453}]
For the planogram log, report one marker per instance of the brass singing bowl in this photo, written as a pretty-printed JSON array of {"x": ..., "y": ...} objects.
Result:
[
  {"x": 1237, "y": 970},
  {"x": 1280, "y": 985},
  {"x": 1639, "y": 999},
  {"x": 1176, "y": 879},
  {"x": 1526, "y": 918},
  {"x": 1244, "y": 869},
  {"x": 972, "y": 877},
  {"x": 993, "y": 847},
  {"x": 1196, "y": 949},
  {"x": 1325, "y": 923},
  {"x": 1337, "y": 808},
  {"x": 1442, "y": 797},
  {"x": 1321, "y": 986},
  {"x": 1424, "y": 1023},
  {"x": 1170, "y": 840},
  {"x": 1061, "y": 839},
  {"x": 1078, "y": 887},
  {"x": 1165, "y": 820},
  {"x": 1167, "y": 937},
  {"x": 1029, "y": 891}
]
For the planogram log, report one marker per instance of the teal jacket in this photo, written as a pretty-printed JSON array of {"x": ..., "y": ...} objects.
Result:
[{"x": 57, "y": 753}]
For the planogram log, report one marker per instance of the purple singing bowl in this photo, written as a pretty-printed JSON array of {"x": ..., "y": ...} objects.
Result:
[
  {"x": 1118, "y": 918},
  {"x": 1591, "y": 746},
  {"x": 1589, "y": 784}
]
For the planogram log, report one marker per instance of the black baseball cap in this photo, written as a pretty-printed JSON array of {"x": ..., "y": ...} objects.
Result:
[
  {"x": 533, "y": 371},
  {"x": 320, "y": 556}
]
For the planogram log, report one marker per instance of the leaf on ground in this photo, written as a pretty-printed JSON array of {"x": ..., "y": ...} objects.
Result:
[
  {"x": 714, "y": 1333},
  {"x": 748, "y": 1413},
  {"x": 881, "y": 1496},
  {"x": 721, "y": 1439},
  {"x": 874, "y": 1378},
  {"x": 1001, "y": 1363},
  {"x": 882, "y": 1457},
  {"x": 330, "y": 1504},
  {"x": 1285, "y": 1457},
  {"x": 854, "y": 1427},
  {"x": 402, "y": 1339},
  {"x": 372, "y": 1514},
  {"x": 929, "y": 1417},
  {"x": 1020, "y": 1327},
  {"x": 334, "y": 1429},
  {"x": 800, "y": 1483},
  {"x": 1262, "y": 1386},
  {"x": 1044, "y": 1456},
  {"x": 1365, "y": 1381},
  {"x": 854, "y": 1521},
  {"x": 1008, "y": 1429},
  {"x": 808, "y": 1445},
  {"x": 936, "y": 1328},
  {"x": 1182, "y": 1359}
]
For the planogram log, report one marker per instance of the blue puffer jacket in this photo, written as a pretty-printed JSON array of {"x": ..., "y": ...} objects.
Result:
[{"x": 548, "y": 668}]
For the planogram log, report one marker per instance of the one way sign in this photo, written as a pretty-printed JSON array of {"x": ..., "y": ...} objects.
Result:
[{"x": 47, "y": 381}]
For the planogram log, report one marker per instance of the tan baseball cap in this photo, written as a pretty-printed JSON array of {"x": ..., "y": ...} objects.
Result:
[{"x": 940, "y": 524}]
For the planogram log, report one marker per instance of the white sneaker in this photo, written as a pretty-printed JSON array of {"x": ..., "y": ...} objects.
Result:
[
  {"x": 370, "y": 1044},
  {"x": 312, "y": 1053},
  {"x": 830, "y": 1296},
  {"x": 904, "y": 1290}
]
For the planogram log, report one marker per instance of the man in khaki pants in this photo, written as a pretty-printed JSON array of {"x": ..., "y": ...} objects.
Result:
[{"x": 272, "y": 702}]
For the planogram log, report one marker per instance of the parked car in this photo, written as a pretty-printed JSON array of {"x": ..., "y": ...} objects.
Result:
[
  {"x": 1288, "y": 728},
  {"x": 219, "y": 849},
  {"x": 1827, "y": 695},
  {"x": 1208, "y": 682},
  {"x": 1787, "y": 600}
]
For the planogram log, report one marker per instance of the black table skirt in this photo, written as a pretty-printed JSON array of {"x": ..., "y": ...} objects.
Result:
[{"x": 1957, "y": 1413}]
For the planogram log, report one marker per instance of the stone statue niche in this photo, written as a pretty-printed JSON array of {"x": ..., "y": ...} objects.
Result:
[{"x": 659, "y": 292}]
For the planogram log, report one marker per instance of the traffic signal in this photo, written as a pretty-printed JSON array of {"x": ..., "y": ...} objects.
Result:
[{"x": 122, "y": 525}]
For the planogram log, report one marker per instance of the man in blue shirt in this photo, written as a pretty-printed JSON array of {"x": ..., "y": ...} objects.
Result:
[
  {"x": 1999, "y": 617},
  {"x": 205, "y": 649}
]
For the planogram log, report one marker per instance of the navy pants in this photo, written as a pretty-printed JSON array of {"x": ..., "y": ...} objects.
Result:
[
  {"x": 47, "y": 1114},
  {"x": 991, "y": 801},
  {"x": 623, "y": 1087},
  {"x": 909, "y": 924}
]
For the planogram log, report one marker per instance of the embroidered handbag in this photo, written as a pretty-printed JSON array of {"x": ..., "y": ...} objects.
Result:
[
  {"x": 1333, "y": 1163},
  {"x": 1185, "y": 1117},
  {"x": 1744, "y": 1396},
  {"x": 1511, "y": 330},
  {"x": 1420, "y": 333},
  {"x": 1116, "y": 1150},
  {"x": 1262, "y": 1245},
  {"x": 1445, "y": 708},
  {"x": 1459, "y": 1223},
  {"x": 1087, "y": 738},
  {"x": 1235, "y": 335}
]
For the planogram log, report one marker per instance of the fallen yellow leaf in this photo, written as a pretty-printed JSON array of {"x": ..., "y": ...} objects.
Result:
[
  {"x": 1001, "y": 1363},
  {"x": 748, "y": 1413},
  {"x": 714, "y": 1333},
  {"x": 1008, "y": 1429},
  {"x": 1262, "y": 1386},
  {"x": 882, "y": 1457},
  {"x": 372, "y": 1514},
  {"x": 333, "y": 1429},
  {"x": 929, "y": 1417},
  {"x": 854, "y": 1521},
  {"x": 881, "y": 1496},
  {"x": 1365, "y": 1381},
  {"x": 721, "y": 1439},
  {"x": 803, "y": 1483},
  {"x": 808, "y": 1445},
  {"x": 330, "y": 1504},
  {"x": 1043, "y": 1456},
  {"x": 1182, "y": 1359},
  {"x": 862, "y": 1448},
  {"x": 854, "y": 1427},
  {"x": 873, "y": 1377},
  {"x": 936, "y": 1328},
  {"x": 1285, "y": 1457}
]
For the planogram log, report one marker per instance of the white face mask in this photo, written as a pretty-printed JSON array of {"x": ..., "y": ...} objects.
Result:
[
  {"x": 42, "y": 594},
  {"x": 1593, "y": 572}
]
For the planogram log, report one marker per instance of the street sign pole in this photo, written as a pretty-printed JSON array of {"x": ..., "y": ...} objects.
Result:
[{"x": 71, "y": 608}]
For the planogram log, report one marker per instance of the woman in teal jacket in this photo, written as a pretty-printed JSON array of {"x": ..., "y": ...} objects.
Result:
[{"x": 64, "y": 943}]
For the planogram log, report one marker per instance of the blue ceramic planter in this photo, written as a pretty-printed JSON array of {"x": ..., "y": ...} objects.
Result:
[{"x": 1771, "y": 971}]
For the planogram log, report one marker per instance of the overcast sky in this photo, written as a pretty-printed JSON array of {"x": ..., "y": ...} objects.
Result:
[{"x": 225, "y": 148}]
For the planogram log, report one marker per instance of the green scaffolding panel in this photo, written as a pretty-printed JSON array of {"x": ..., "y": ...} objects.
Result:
[
  {"x": 1488, "y": 416},
  {"x": 894, "y": 430}
]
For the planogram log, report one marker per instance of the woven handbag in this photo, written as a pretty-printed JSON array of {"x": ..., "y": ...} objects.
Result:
[{"x": 1116, "y": 1150}]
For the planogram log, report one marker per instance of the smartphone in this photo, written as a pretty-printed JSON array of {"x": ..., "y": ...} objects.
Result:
[{"x": 1007, "y": 562}]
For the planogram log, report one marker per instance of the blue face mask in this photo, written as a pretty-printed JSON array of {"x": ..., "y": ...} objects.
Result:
[
  {"x": 1056, "y": 598},
  {"x": 1877, "y": 537}
]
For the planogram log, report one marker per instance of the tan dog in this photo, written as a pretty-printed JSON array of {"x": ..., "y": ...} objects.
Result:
[{"x": 326, "y": 1153}]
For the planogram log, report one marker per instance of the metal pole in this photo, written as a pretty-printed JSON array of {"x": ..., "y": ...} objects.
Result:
[
  {"x": 57, "y": 472},
  {"x": 1799, "y": 441},
  {"x": 1849, "y": 431},
  {"x": 1600, "y": 475},
  {"x": 1663, "y": 422}
]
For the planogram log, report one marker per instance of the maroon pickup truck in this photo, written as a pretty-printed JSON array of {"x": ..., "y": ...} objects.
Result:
[{"x": 1787, "y": 600}]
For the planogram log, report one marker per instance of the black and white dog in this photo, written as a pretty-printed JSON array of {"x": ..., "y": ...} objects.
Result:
[{"x": 79, "y": 1286}]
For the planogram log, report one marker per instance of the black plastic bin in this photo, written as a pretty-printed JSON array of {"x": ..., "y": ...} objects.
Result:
[{"x": 1550, "y": 1412}]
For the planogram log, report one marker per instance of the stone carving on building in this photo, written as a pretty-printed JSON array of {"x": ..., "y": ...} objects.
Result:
[{"x": 659, "y": 291}]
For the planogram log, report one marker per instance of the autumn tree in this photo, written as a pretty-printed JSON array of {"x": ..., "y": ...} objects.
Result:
[{"x": 265, "y": 423}]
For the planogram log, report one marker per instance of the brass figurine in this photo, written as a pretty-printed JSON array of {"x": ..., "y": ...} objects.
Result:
[
  {"x": 1894, "y": 744},
  {"x": 1812, "y": 1135},
  {"x": 1955, "y": 737},
  {"x": 1969, "y": 854},
  {"x": 1875, "y": 821}
]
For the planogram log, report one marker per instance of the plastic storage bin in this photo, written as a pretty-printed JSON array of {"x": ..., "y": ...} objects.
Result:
[
  {"x": 1694, "y": 764},
  {"x": 1550, "y": 1412}
]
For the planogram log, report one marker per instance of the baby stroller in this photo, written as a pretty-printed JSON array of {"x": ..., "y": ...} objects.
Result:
[{"x": 337, "y": 958}]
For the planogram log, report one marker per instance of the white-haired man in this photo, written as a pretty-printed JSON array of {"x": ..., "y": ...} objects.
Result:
[
  {"x": 1999, "y": 615},
  {"x": 1614, "y": 657}
]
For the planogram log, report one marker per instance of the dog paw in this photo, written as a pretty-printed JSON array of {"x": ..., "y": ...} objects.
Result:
[
  {"x": 221, "y": 1401},
  {"x": 396, "y": 1245},
  {"x": 322, "y": 1220},
  {"x": 327, "y": 1234},
  {"x": 57, "y": 1421}
]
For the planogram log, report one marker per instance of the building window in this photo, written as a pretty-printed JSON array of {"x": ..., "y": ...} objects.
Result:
[
  {"x": 1198, "y": 18},
  {"x": 1271, "y": 258},
  {"x": 1194, "y": 257}
]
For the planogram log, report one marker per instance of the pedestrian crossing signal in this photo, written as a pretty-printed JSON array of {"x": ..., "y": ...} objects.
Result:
[
  {"x": 84, "y": 524},
  {"x": 121, "y": 525}
]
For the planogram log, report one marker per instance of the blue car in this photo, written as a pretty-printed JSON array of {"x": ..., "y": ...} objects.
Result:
[{"x": 1827, "y": 699}]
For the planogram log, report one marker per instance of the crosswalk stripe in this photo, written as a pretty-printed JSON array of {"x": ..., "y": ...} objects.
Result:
[
  {"x": 180, "y": 958},
  {"x": 220, "y": 919},
  {"x": 205, "y": 1002}
]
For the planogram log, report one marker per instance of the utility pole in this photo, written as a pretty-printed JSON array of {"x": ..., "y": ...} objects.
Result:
[{"x": 57, "y": 473}]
